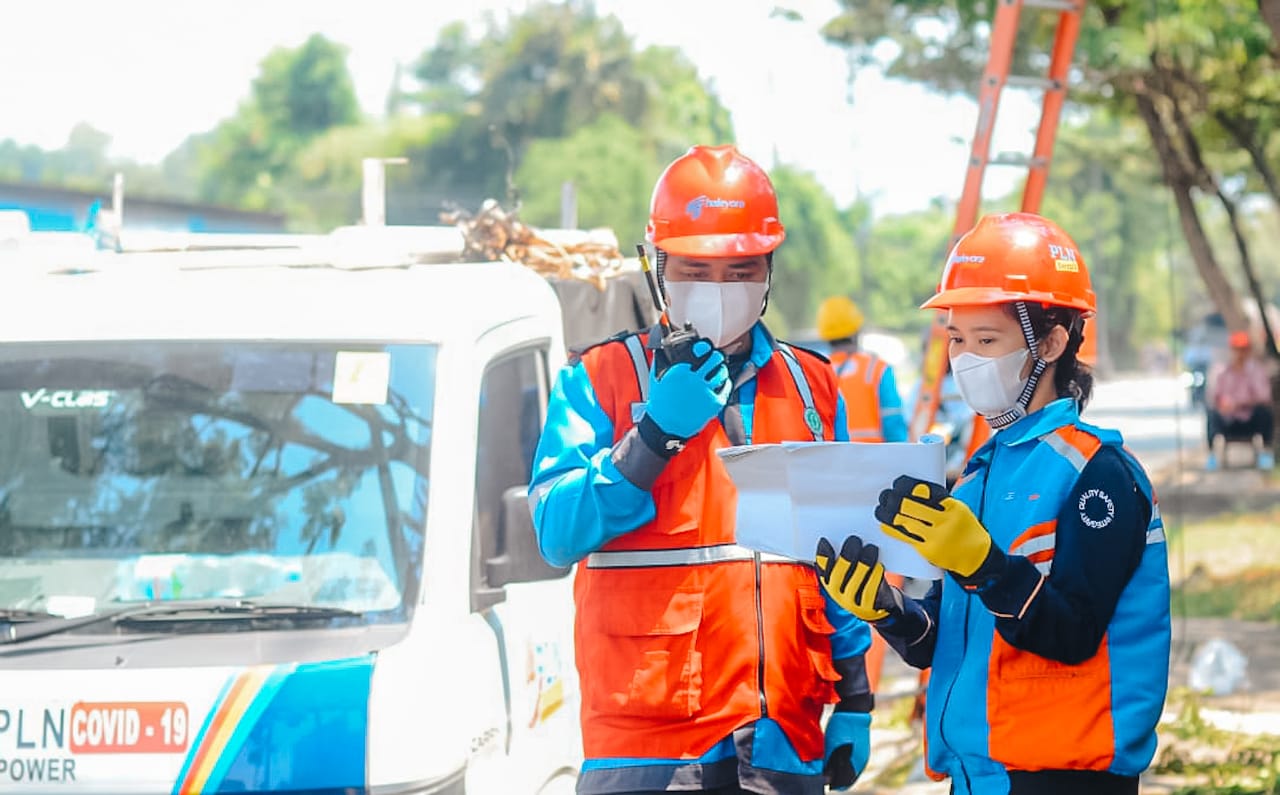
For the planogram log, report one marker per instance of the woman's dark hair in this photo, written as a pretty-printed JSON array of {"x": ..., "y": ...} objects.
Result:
[{"x": 1071, "y": 378}]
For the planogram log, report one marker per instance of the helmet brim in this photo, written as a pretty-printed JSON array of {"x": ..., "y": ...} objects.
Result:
[
  {"x": 987, "y": 296},
  {"x": 737, "y": 245}
]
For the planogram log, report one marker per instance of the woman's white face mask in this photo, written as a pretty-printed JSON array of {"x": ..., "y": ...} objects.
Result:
[
  {"x": 720, "y": 311},
  {"x": 991, "y": 386}
]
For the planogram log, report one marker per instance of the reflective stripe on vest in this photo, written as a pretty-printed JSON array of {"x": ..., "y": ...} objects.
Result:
[
  {"x": 812, "y": 420},
  {"x": 638, "y": 358},
  {"x": 692, "y": 556}
]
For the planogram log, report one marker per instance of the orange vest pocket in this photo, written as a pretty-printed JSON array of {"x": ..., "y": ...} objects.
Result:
[
  {"x": 1047, "y": 715},
  {"x": 817, "y": 638},
  {"x": 653, "y": 668}
]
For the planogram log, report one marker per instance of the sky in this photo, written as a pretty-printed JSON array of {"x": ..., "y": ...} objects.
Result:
[{"x": 151, "y": 72}]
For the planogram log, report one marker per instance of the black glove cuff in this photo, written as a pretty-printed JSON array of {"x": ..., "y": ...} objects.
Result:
[
  {"x": 636, "y": 462},
  {"x": 991, "y": 570},
  {"x": 863, "y": 702},
  {"x": 663, "y": 444}
]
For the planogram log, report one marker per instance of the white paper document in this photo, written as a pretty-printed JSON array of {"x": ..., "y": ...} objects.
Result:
[{"x": 790, "y": 495}]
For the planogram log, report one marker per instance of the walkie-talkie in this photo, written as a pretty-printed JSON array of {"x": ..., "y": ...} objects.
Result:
[{"x": 677, "y": 343}]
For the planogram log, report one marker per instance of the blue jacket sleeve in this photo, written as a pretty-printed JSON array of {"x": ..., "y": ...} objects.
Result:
[
  {"x": 849, "y": 646},
  {"x": 579, "y": 498},
  {"x": 914, "y": 634},
  {"x": 893, "y": 425}
]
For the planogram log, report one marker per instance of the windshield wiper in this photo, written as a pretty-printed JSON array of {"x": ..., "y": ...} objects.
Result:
[
  {"x": 235, "y": 609},
  {"x": 194, "y": 610},
  {"x": 20, "y": 614}
]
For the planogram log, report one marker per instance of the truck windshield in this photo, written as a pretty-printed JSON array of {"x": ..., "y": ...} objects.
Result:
[{"x": 285, "y": 473}]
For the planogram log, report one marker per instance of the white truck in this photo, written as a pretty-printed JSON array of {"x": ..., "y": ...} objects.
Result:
[{"x": 263, "y": 526}]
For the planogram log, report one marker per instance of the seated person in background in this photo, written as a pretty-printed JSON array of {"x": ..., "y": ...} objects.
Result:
[{"x": 1239, "y": 402}]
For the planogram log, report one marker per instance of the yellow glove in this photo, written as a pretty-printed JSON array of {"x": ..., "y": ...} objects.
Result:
[
  {"x": 941, "y": 528},
  {"x": 855, "y": 579}
]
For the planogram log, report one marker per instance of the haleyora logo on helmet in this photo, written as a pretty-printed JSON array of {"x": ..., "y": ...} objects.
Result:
[{"x": 694, "y": 208}]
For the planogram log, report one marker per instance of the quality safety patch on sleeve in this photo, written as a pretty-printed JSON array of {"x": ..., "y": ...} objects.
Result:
[{"x": 361, "y": 377}]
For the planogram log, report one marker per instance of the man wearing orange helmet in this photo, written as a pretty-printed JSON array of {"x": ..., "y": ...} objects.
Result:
[
  {"x": 1049, "y": 636},
  {"x": 705, "y": 667}
]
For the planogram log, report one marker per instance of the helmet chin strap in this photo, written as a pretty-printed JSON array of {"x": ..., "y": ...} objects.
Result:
[{"x": 1019, "y": 409}]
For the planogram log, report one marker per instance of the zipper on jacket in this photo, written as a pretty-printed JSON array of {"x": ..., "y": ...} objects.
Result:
[
  {"x": 951, "y": 686},
  {"x": 964, "y": 636},
  {"x": 764, "y": 707}
]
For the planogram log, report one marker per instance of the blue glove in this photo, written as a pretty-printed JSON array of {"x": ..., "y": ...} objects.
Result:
[
  {"x": 848, "y": 740},
  {"x": 684, "y": 399}
]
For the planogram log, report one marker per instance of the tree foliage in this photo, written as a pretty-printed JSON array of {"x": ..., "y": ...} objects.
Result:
[
  {"x": 546, "y": 75},
  {"x": 1200, "y": 77},
  {"x": 299, "y": 94},
  {"x": 521, "y": 104}
]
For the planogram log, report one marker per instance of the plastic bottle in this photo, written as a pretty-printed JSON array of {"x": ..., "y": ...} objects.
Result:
[{"x": 1218, "y": 667}]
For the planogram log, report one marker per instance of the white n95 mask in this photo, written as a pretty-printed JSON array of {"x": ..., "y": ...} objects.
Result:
[
  {"x": 720, "y": 311},
  {"x": 990, "y": 385}
]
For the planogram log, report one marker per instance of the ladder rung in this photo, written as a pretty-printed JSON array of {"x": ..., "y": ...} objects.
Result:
[
  {"x": 1053, "y": 5},
  {"x": 1015, "y": 159},
  {"x": 1029, "y": 81}
]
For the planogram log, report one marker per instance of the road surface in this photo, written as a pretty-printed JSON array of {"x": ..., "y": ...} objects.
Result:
[{"x": 1156, "y": 417}]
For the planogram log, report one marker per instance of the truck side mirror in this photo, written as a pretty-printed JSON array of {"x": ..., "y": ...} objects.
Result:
[{"x": 518, "y": 559}]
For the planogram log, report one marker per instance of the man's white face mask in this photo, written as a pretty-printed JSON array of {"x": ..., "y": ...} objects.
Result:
[
  {"x": 720, "y": 311},
  {"x": 991, "y": 386}
]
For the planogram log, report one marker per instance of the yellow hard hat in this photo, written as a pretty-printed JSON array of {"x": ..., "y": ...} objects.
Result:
[{"x": 838, "y": 318}]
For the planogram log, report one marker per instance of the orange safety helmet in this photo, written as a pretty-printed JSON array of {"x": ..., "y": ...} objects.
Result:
[
  {"x": 1015, "y": 257},
  {"x": 713, "y": 201}
]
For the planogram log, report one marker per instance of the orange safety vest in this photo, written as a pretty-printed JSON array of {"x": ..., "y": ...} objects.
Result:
[
  {"x": 859, "y": 377},
  {"x": 681, "y": 635}
]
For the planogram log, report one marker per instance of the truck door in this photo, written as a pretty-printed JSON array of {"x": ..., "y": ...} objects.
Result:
[{"x": 527, "y": 603}]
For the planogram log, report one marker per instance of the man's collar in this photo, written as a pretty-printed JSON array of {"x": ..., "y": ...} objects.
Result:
[{"x": 762, "y": 345}]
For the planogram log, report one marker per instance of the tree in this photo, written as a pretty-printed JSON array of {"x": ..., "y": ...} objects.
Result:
[
  {"x": 905, "y": 256},
  {"x": 612, "y": 169},
  {"x": 543, "y": 75},
  {"x": 303, "y": 92},
  {"x": 299, "y": 94},
  {"x": 818, "y": 257},
  {"x": 1191, "y": 72},
  {"x": 1106, "y": 189},
  {"x": 322, "y": 186}
]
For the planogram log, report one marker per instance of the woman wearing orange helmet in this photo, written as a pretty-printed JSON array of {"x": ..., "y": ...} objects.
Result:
[{"x": 1049, "y": 638}]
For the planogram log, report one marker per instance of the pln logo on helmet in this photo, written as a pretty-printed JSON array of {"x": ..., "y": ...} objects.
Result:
[{"x": 695, "y": 207}]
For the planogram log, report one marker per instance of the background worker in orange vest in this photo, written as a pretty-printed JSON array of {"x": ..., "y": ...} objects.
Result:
[
  {"x": 866, "y": 381},
  {"x": 705, "y": 667}
]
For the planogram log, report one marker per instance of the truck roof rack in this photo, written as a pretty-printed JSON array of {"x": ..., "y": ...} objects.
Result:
[{"x": 490, "y": 234}]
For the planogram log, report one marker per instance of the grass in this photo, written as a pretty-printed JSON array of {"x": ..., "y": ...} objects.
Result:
[
  {"x": 1250, "y": 595},
  {"x": 1228, "y": 566},
  {"x": 1213, "y": 761}
]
